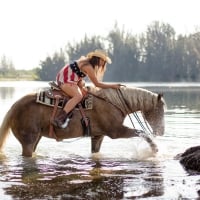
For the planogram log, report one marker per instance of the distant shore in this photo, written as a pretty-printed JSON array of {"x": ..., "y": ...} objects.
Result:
[{"x": 20, "y": 78}]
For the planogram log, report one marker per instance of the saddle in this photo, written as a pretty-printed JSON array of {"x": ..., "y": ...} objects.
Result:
[
  {"x": 48, "y": 97},
  {"x": 56, "y": 98}
]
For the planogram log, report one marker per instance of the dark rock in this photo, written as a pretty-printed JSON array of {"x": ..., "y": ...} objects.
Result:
[{"x": 190, "y": 159}]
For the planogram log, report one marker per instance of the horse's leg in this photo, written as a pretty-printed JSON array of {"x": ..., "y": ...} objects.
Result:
[
  {"x": 96, "y": 143},
  {"x": 150, "y": 141},
  {"x": 27, "y": 150},
  {"x": 28, "y": 141},
  {"x": 37, "y": 143},
  {"x": 125, "y": 132}
]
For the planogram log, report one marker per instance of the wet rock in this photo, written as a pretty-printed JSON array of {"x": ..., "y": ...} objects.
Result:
[{"x": 190, "y": 159}]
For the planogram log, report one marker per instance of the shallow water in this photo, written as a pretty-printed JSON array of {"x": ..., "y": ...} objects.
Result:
[{"x": 124, "y": 168}]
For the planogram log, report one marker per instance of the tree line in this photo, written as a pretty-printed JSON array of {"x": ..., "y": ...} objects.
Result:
[{"x": 157, "y": 55}]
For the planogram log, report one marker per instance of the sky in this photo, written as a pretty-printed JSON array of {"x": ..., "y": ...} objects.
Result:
[{"x": 31, "y": 30}]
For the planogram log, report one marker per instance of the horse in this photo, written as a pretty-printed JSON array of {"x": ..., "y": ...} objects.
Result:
[{"x": 29, "y": 121}]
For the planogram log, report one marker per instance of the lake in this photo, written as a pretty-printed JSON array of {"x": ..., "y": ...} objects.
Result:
[{"x": 123, "y": 169}]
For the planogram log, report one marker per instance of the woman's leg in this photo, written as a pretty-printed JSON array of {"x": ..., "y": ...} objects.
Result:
[
  {"x": 76, "y": 96},
  {"x": 75, "y": 93}
]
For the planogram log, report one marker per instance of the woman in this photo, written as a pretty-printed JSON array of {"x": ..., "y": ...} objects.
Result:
[{"x": 69, "y": 77}]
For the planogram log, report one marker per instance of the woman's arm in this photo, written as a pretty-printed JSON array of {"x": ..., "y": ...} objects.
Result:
[{"x": 91, "y": 74}]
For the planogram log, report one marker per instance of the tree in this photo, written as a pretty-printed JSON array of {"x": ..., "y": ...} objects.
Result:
[
  {"x": 125, "y": 55},
  {"x": 159, "y": 53},
  {"x": 51, "y": 66},
  {"x": 6, "y": 66},
  {"x": 74, "y": 51},
  {"x": 156, "y": 55},
  {"x": 193, "y": 51},
  {"x": 187, "y": 54}
]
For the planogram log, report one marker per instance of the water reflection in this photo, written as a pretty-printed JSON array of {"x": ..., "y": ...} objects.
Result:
[
  {"x": 88, "y": 178},
  {"x": 6, "y": 93},
  {"x": 178, "y": 97}
]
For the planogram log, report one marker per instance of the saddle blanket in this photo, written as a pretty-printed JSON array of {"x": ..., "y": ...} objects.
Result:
[{"x": 43, "y": 98}]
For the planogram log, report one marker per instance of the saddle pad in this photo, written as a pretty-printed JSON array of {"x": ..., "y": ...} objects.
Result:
[{"x": 42, "y": 98}]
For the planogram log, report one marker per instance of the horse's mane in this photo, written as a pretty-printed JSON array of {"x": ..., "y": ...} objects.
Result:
[{"x": 137, "y": 98}]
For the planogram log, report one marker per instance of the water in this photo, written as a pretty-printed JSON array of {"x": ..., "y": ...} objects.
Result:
[{"x": 124, "y": 168}]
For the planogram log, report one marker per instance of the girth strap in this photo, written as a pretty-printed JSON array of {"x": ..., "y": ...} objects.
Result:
[
  {"x": 83, "y": 114},
  {"x": 51, "y": 129},
  {"x": 85, "y": 121}
]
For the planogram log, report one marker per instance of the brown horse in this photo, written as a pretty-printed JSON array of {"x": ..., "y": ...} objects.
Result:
[{"x": 29, "y": 120}]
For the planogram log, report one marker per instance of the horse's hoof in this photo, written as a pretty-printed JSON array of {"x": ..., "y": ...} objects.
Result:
[{"x": 154, "y": 148}]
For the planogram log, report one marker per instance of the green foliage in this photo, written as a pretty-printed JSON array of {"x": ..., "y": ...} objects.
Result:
[
  {"x": 125, "y": 55},
  {"x": 86, "y": 45},
  {"x": 51, "y": 66},
  {"x": 6, "y": 66},
  {"x": 8, "y": 72},
  {"x": 159, "y": 52}
]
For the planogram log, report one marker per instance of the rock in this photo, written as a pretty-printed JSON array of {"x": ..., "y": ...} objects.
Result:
[{"x": 190, "y": 159}]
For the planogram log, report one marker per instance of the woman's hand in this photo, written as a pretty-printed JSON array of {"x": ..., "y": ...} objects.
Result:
[{"x": 116, "y": 86}]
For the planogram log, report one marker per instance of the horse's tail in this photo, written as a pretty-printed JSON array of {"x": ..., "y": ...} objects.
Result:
[{"x": 4, "y": 129}]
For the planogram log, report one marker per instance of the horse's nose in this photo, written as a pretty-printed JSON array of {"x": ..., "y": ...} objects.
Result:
[{"x": 160, "y": 131}]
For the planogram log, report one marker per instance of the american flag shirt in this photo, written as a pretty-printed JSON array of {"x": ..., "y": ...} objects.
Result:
[{"x": 70, "y": 73}]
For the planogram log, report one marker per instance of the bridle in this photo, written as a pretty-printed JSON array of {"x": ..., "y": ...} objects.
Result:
[{"x": 147, "y": 129}]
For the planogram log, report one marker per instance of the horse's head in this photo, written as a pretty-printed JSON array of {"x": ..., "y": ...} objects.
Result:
[{"x": 155, "y": 116}]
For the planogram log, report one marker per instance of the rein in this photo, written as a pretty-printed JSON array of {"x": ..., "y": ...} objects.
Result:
[{"x": 125, "y": 104}]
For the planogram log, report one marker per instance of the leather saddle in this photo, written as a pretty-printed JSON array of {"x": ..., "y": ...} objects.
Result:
[
  {"x": 56, "y": 98},
  {"x": 50, "y": 95},
  {"x": 55, "y": 92}
]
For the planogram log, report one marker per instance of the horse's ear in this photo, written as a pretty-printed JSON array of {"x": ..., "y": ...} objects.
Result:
[{"x": 160, "y": 95}]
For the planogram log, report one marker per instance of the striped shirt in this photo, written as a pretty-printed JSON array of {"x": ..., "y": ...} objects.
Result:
[{"x": 70, "y": 73}]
